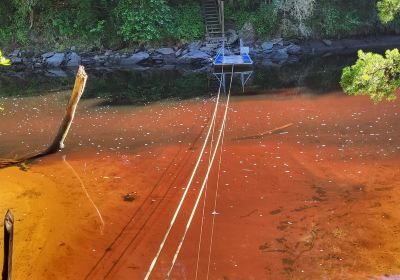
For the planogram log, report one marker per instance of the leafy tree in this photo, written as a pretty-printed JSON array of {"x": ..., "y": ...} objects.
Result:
[
  {"x": 3, "y": 60},
  {"x": 6, "y": 62},
  {"x": 388, "y": 9},
  {"x": 373, "y": 74}
]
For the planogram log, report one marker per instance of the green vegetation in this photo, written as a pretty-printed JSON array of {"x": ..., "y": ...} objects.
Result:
[
  {"x": 305, "y": 18},
  {"x": 334, "y": 21},
  {"x": 373, "y": 74},
  {"x": 99, "y": 24},
  {"x": 187, "y": 22},
  {"x": 4, "y": 61},
  {"x": 89, "y": 24},
  {"x": 142, "y": 21},
  {"x": 388, "y": 9}
]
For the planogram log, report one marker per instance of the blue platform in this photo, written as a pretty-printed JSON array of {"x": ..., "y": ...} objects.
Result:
[{"x": 229, "y": 60}]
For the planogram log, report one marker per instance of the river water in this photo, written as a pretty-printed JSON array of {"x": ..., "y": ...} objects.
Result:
[{"x": 304, "y": 187}]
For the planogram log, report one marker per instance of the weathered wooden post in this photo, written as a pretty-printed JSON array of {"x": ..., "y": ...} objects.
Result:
[{"x": 8, "y": 245}]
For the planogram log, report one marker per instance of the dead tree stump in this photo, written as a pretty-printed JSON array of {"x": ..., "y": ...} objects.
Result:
[
  {"x": 8, "y": 245},
  {"x": 58, "y": 142}
]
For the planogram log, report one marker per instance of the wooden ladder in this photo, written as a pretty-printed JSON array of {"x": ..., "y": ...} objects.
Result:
[{"x": 212, "y": 18}]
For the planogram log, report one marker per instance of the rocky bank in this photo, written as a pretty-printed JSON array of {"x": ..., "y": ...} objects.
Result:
[{"x": 198, "y": 54}]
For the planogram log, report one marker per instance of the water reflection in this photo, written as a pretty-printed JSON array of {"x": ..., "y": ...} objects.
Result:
[{"x": 133, "y": 87}]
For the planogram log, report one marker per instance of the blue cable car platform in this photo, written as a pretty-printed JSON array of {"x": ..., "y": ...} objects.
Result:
[
  {"x": 229, "y": 60},
  {"x": 242, "y": 60}
]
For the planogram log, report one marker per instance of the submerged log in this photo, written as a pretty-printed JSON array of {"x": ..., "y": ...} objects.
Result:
[
  {"x": 261, "y": 135},
  {"x": 58, "y": 142}
]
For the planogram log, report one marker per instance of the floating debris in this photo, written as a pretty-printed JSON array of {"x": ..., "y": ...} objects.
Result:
[{"x": 129, "y": 197}]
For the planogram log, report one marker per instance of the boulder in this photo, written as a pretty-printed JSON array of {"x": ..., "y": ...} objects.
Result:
[
  {"x": 55, "y": 60},
  {"x": 207, "y": 50},
  {"x": 178, "y": 52},
  {"x": 114, "y": 59},
  {"x": 194, "y": 46},
  {"x": 73, "y": 60},
  {"x": 194, "y": 57},
  {"x": 169, "y": 59},
  {"x": 267, "y": 46},
  {"x": 108, "y": 52},
  {"x": 165, "y": 51},
  {"x": 279, "y": 56},
  {"x": 47, "y": 55},
  {"x": 327, "y": 42},
  {"x": 135, "y": 58},
  {"x": 16, "y": 60},
  {"x": 231, "y": 36},
  {"x": 88, "y": 61},
  {"x": 15, "y": 53},
  {"x": 248, "y": 34},
  {"x": 157, "y": 59},
  {"x": 294, "y": 49},
  {"x": 277, "y": 41}
]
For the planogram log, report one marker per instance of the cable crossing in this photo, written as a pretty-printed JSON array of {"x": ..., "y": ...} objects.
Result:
[{"x": 188, "y": 185}]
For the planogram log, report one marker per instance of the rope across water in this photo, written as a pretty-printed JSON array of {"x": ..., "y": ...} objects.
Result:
[
  {"x": 188, "y": 185},
  {"x": 221, "y": 131}
]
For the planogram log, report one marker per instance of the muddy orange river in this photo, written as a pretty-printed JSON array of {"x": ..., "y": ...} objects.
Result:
[{"x": 318, "y": 199}]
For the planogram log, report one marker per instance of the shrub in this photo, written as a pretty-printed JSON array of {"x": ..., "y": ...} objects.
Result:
[
  {"x": 187, "y": 22},
  {"x": 13, "y": 22},
  {"x": 239, "y": 15},
  {"x": 266, "y": 20},
  {"x": 142, "y": 20},
  {"x": 334, "y": 21}
]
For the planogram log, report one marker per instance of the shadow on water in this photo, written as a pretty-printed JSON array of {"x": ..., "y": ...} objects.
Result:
[{"x": 133, "y": 87}]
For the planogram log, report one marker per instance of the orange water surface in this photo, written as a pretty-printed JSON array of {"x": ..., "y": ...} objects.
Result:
[{"x": 315, "y": 200}]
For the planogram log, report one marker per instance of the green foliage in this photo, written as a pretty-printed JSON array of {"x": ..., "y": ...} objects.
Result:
[
  {"x": 374, "y": 75},
  {"x": 187, "y": 22},
  {"x": 239, "y": 14},
  {"x": 266, "y": 20},
  {"x": 333, "y": 21},
  {"x": 142, "y": 20},
  {"x": 4, "y": 61},
  {"x": 388, "y": 9},
  {"x": 13, "y": 22},
  {"x": 263, "y": 16},
  {"x": 89, "y": 24}
]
